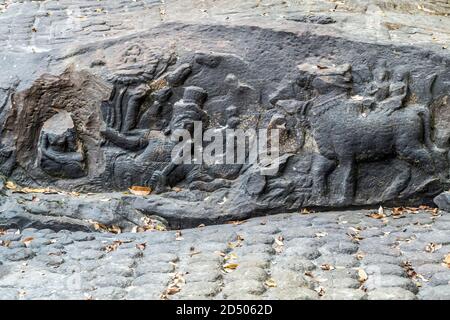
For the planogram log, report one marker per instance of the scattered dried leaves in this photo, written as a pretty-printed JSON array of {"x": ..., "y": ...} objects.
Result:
[
  {"x": 175, "y": 285},
  {"x": 354, "y": 234},
  {"x": 432, "y": 247},
  {"x": 104, "y": 228},
  {"x": 378, "y": 215},
  {"x": 17, "y": 189},
  {"x": 237, "y": 243},
  {"x": 140, "y": 191},
  {"x": 149, "y": 224},
  {"x": 412, "y": 273},
  {"x": 113, "y": 246}
]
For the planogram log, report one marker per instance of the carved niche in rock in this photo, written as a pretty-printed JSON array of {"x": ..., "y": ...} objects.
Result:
[{"x": 60, "y": 151}]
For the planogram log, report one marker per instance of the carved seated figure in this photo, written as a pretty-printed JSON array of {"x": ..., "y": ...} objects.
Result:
[{"x": 60, "y": 154}]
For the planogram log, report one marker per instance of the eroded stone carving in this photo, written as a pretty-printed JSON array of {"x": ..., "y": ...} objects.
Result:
[
  {"x": 60, "y": 152},
  {"x": 352, "y": 131}
]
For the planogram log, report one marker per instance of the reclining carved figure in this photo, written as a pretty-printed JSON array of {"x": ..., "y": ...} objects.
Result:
[{"x": 152, "y": 165}]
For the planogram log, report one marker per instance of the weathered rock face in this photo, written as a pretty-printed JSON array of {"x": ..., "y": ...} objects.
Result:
[
  {"x": 361, "y": 123},
  {"x": 60, "y": 154}
]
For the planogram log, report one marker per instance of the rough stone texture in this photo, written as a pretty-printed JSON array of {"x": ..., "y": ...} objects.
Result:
[
  {"x": 359, "y": 88},
  {"x": 91, "y": 93}
]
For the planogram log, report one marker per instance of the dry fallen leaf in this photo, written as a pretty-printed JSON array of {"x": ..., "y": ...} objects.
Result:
[
  {"x": 305, "y": 211},
  {"x": 140, "y": 191},
  {"x": 362, "y": 275},
  {"x": 178, "y": 236},
  {"x": 99, "y": 226},
  {"x": 228, "y": 267},
  {"x": 398, "y": 211},
  {"x": 432, "y": 247},
  {"x": 27, "y": 240},
  {"x": 5, "y": 243},
  {"x": 321, "y": 234},
  {"x": 178, "y": 279},
  {"x": 115, "y": 229},
  {"x": 320, "y": 291},
  {"x": 175, "y": 285},
  {"x": 270, "y": 283},
  {"x": 279, "y": 241},
  {"x": 377, "y": 215},
  {"x": 235, "y": 222},
  {"x": 172, "y": 290},
  {"x": 113, "y": 246},
  {"x": 447, "y": 260},
  {"x": 11, "y": 185},
  {"x": 360, "y": 256},
  {"x": 327, "y": 267},
  {"x": 220, "y": 253},
  {"x": 141, "y": 246},
  {"x": 230, "y": 256},
  {"x": 409, "y": 269}
]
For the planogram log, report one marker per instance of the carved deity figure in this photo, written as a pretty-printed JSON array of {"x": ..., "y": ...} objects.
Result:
[
  {"x": 60, "y": 153},
  {"x": 155, "y": 147}
]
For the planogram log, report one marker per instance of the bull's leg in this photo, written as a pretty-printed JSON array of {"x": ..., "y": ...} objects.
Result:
[
  {"x": 321, "y": 169},
  {"x": 418, "y": 156},
  {"x": 400, "y": 183},
  {"x": 348, "y": 173}
]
